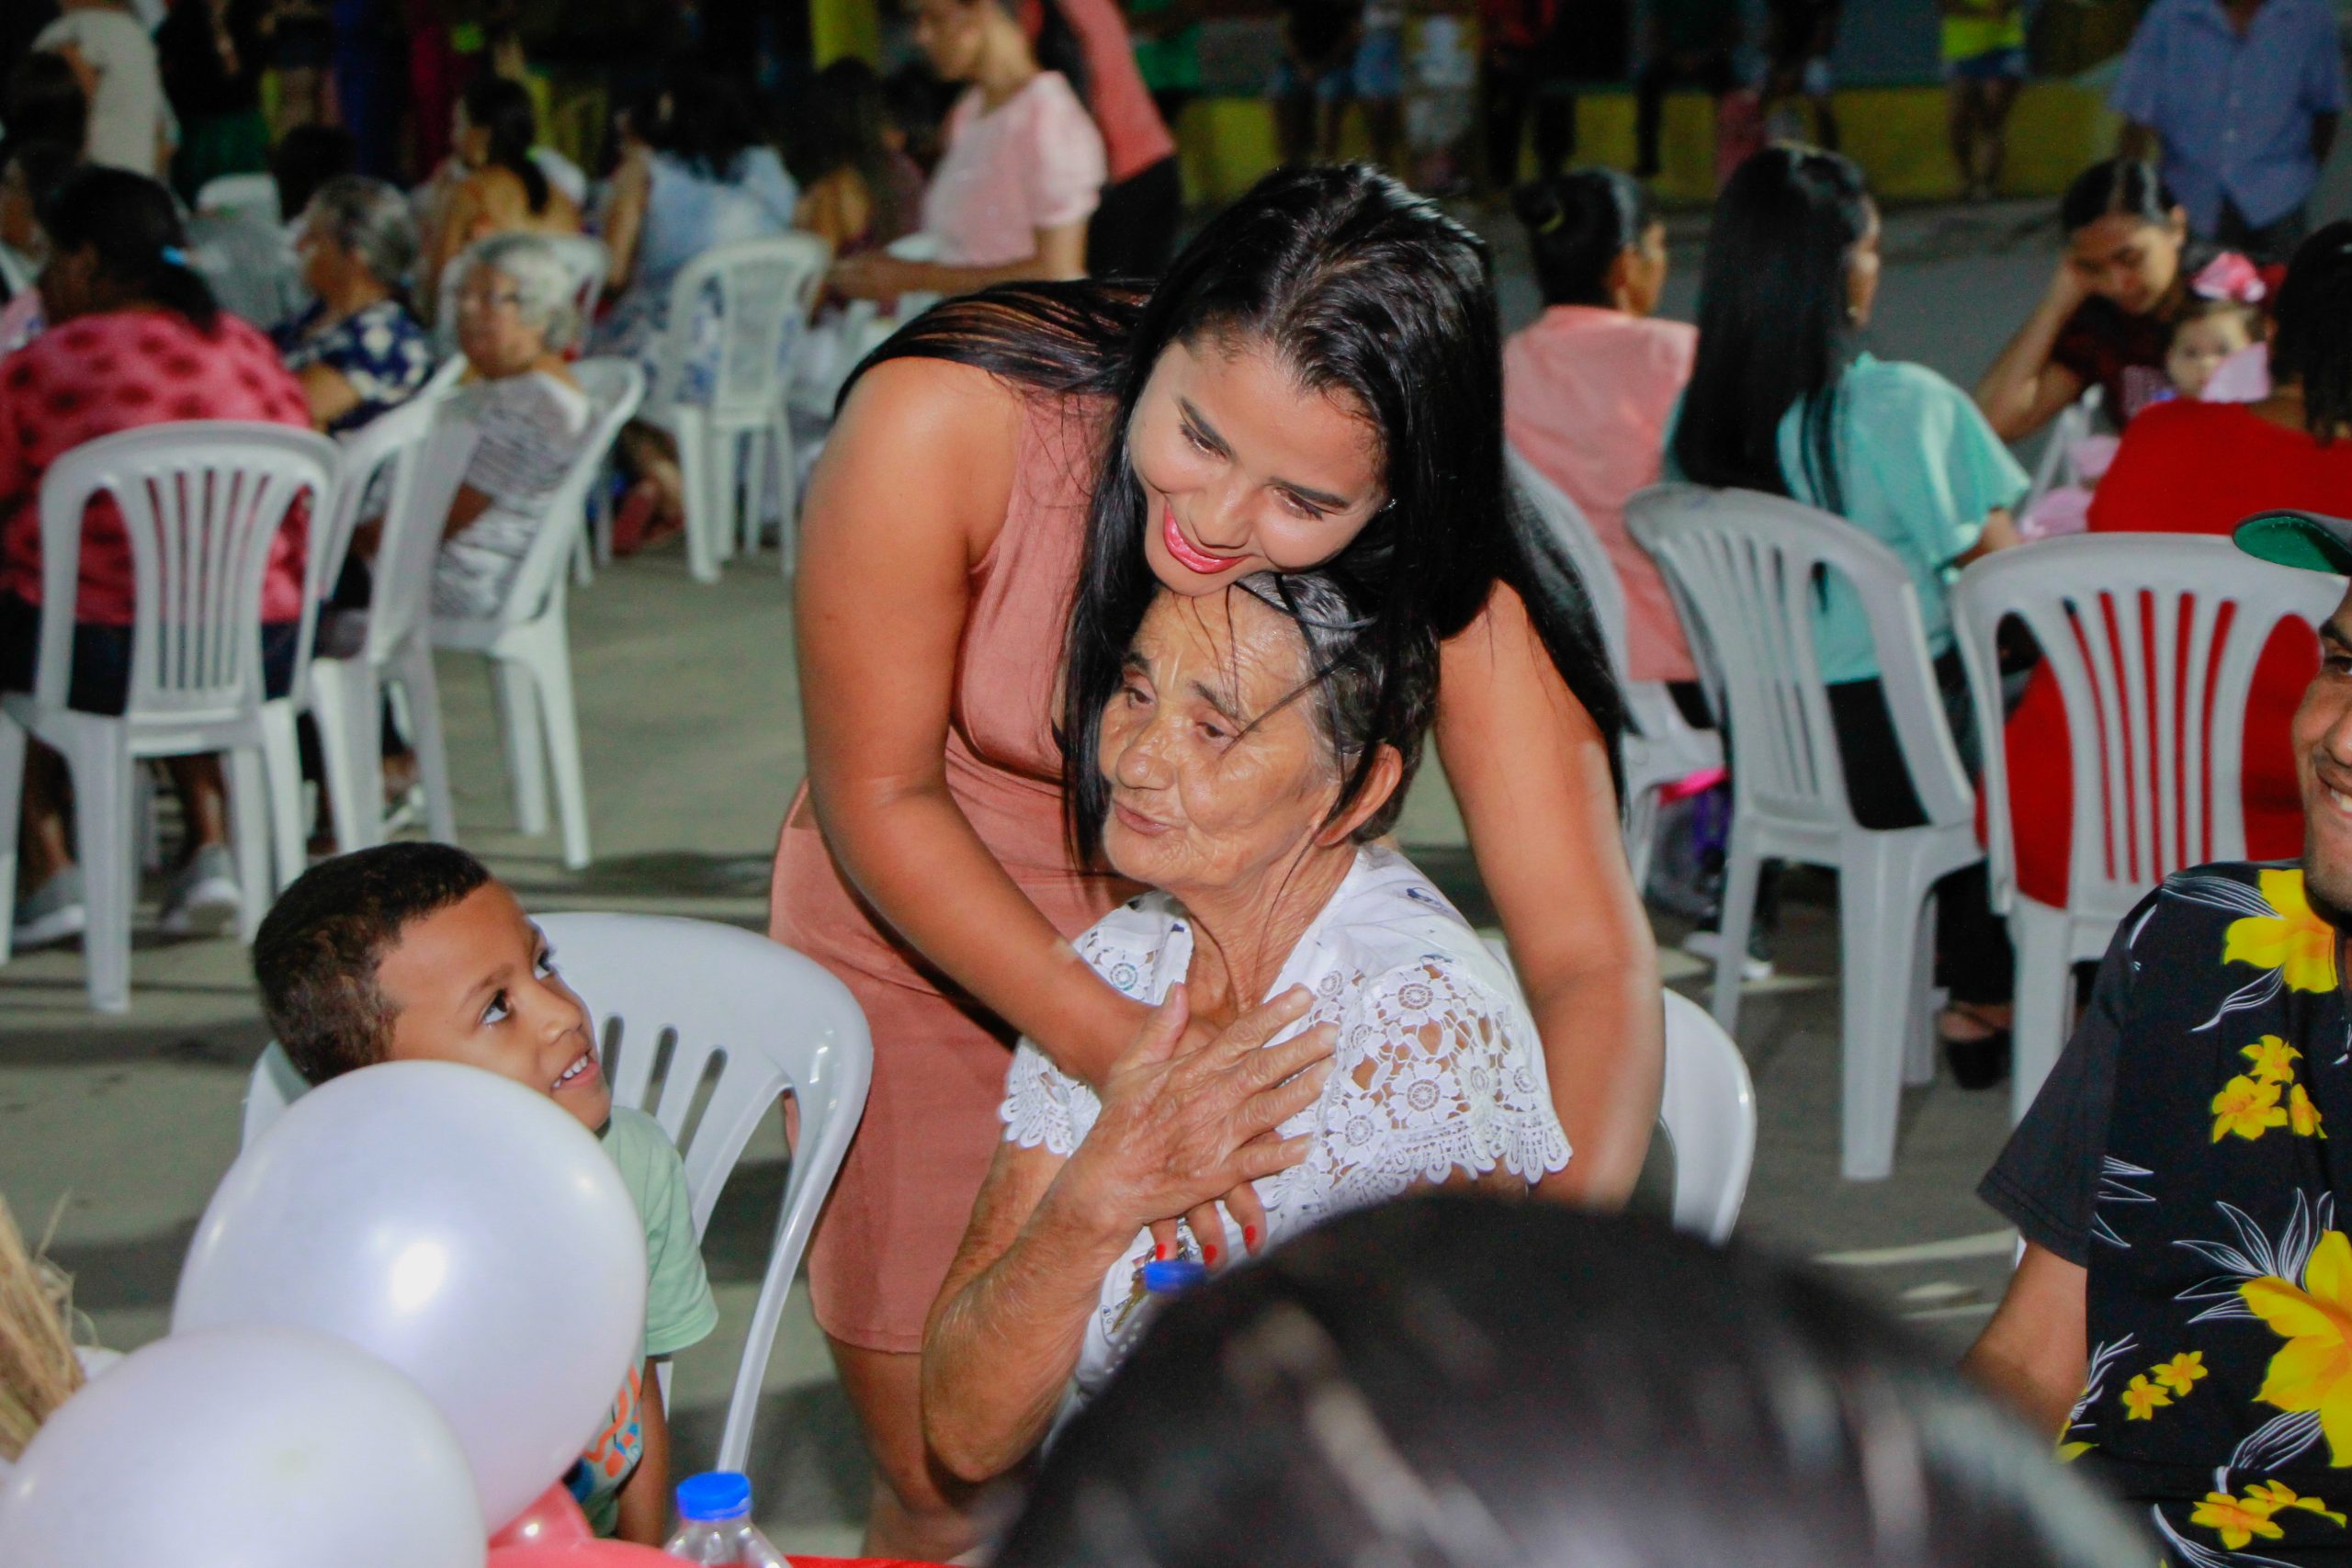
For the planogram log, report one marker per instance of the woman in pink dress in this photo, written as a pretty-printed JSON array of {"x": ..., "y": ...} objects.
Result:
[
  {"x": 1317, "y": 383},
  {"x": 1022, "y": 173},
  {"x": 1588, "y": 389}
]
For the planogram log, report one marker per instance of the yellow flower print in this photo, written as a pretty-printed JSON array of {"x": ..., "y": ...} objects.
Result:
[
  {"x": 2274, "y": 1060},
  {"x": 2313, "y": 1371},
  {"x": 2142, "y": 1399},
  {"x": 2275, "y": 1496},
  {"x": 2069, "y": 1452},
  {"x": 2180, "y": 1373},
  {"x": 2238, "y": 1520},
  {"x": 2292, "y": 940},
  {"x": 2302, "y": 1115},
  {"x": 2246, "y": 1108}
]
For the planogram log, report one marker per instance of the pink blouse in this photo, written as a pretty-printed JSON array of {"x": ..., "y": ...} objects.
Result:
[
  {"x": 1033, "y": 161},
  {"x": 1587, "y": 393}
]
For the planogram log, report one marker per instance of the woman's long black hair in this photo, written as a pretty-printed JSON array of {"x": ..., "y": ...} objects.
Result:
[
  {"x": 503, "y": 108},
  {"x": 132, "y": 225},
  {"x": 2310, "y": 341},
  {"x": 1775, "y": 329},
  {"x": 1363, "y": 291}
]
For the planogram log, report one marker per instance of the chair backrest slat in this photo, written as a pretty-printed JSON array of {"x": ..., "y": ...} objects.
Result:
[
  {"x": 202, "y": 502},
  {"x": 1747, "y": 570},
  {"x": 2152, "y": 640},
  {"x": 614, "y": 388}
]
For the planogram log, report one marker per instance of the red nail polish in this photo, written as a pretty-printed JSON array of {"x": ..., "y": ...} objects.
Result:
[
  {"x": 1250, "y": 1235},
  {"x": 1208, "y": 1253},
  {"x": 1159, "y": 1254}
]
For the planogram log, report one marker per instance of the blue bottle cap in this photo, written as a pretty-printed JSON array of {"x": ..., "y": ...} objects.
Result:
[
  {"x": 1167, "y": 1276},
  {"x": 715, "y": 1495}
]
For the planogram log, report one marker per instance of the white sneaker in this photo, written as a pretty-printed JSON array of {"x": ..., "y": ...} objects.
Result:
[
  {"x": 51, "y": 913},
  {"x": 204, "y": 895},
  {"x": 1708, "y": 944}
]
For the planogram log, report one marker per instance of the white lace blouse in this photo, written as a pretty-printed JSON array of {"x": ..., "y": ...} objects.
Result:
[{"x": 1438, "y": 1066}]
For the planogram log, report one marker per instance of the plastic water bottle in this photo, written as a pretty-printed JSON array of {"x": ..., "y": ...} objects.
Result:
[
  {"x": 1166, "y": 1277},
  {"x": 717, "y": 1529}
]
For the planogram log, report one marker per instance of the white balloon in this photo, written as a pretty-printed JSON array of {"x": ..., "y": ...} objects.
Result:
[
  {"x": 243, "y": 1447},
  {"x": 468, "y": 1231}
]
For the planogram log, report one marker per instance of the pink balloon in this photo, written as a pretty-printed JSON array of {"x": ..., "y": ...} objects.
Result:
[{"x": 553, "y": 1533}]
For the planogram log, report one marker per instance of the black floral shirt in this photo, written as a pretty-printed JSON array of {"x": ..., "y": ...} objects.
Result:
[{"x": 2182, "y": 1154}]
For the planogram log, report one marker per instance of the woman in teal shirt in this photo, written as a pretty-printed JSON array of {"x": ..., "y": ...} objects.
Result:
[{"x": 1782, "y": 399}]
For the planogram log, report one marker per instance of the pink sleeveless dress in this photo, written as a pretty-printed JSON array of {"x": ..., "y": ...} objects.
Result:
[{"x": 906, "y": 1191}]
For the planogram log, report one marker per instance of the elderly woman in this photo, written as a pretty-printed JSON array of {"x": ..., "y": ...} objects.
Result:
[
  {"x": 358, "y": 351},
  {"x": 1251, "y": 765},
  {"x": 515, "y": 318}
]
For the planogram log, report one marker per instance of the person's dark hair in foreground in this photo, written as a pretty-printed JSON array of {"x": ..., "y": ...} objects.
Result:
[{"x": 1454, "y": 1381}]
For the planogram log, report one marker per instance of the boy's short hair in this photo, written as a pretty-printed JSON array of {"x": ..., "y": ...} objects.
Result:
[{"x": 316, "y": 954}]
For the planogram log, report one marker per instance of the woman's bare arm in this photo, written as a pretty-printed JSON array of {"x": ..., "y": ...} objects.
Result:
[
  {"x": 1531, "y": 772},
  {"x": 1060, "y": 254},
  {"x": 2023, "y": 390},
  {"x": 625, "y": 216},
  {"x": 914, "y": 483}
]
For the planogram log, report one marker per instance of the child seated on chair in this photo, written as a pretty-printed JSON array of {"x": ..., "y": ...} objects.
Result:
[{"x": 414, "y": 952}]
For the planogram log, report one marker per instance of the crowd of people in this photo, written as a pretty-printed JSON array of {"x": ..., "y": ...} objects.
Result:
[{"x": 1134, "y": 583}]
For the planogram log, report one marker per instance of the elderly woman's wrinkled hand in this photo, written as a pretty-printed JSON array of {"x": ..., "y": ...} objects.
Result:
[{"x": 1187, "y": 1118}]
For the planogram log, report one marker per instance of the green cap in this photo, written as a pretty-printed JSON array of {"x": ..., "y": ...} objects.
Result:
[{"x": 2308, "y": 541}]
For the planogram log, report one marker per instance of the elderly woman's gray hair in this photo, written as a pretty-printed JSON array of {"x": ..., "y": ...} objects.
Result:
[
  {"x": 543, "y": 284},
  {"x": 370, "y": 220}
]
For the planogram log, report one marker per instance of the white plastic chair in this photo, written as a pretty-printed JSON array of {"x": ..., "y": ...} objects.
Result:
[
  {"x": 1708, "y": 1110},
  {"x": 1743, "y": 568},
  {"x": 256, "y": 193},
  {"x": 2098, "y": 605},
  {"x": 529, "y": 641},
  {"x": 764, "y": 288},
  {"x": 679, "y": 1004},
  {"x": 1661, "y": 747},
  {"x": 2055, "y": 467},
  {"x": 201, "y": 502},
  {"x": 421, "y": 450}
]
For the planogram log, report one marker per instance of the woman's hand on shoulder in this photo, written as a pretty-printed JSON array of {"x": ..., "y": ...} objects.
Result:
[{"x": 1188, "y": 1118}]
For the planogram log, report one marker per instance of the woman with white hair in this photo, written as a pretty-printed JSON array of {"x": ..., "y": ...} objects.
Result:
[
  {"x": 515, "y": 318},
  {"x": 358, "y": 351}
]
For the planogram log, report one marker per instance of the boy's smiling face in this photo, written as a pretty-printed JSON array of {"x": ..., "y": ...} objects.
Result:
[{"x": 476, "y": 983}]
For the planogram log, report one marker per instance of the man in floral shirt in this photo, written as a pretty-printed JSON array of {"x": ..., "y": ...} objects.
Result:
[{"x": 2182, "y": 1316}]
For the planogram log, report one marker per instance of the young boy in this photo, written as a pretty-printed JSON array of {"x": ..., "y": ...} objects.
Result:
[{"x": 413, "y": 952}]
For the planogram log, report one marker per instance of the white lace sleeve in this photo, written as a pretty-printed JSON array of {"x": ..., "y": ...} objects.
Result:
[
  {"x": 1435, "y": 1074},
  {"x": 1036, "y": 1109}
]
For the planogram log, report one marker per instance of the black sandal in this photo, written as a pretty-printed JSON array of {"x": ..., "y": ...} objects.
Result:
[{"x": 1980, "y": 1062}]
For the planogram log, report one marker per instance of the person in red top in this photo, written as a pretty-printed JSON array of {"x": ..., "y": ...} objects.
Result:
[
  {"x": 134, "y": 338},
  {"x": 2197, "y": 468}
]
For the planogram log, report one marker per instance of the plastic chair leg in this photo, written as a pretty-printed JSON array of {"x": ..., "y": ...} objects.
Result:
[
  {"x": 1881, "y": 890},
  {"x": 250, "y": 818},
  {"x": 345, "y": 704},
  {"x": 725, "y": 480},
  {"x": 1743, "y": 870},
  {"x": 693, "y": 478},
  {"x": 413, "y": 667},
  {"x": 1919, "y": 1037},
  {"x": 282, "y": 776},
  {"x": 1641, "y": 836},
  {"x": 2044, "y": 1003},
  {"x": 99, "y": 760},
  {"x": 551, "y": 661},
  {"x": 519, "y": 714},
  {"x": 12, "y": 792},
  {"x": 787, "y": 490}
]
